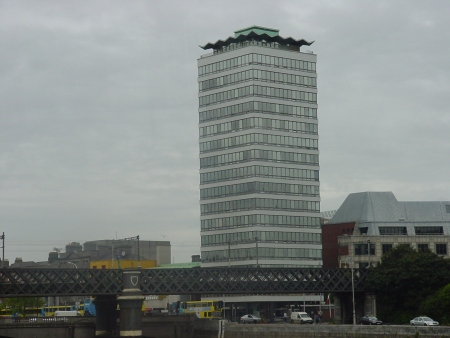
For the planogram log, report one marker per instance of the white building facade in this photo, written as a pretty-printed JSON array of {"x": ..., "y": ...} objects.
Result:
[{"x": 259, "y": 154}]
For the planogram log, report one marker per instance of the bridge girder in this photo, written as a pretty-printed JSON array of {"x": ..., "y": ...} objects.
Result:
[{"x": 93, "y": 282}]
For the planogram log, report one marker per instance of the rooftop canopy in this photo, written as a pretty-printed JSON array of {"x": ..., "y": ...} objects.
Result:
[{"x": 256, "y": 33}]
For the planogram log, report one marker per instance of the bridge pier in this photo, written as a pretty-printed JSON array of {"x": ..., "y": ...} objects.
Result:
[
  {"x": 130, "y": 303},
  {"x": 370, "y": 305},
  {"x": 105, "y": 320}
]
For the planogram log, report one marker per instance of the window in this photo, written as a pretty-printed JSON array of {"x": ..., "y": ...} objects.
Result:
[
  {"x": 385, "y": 248},
  {"x": 422, "y": 247},
  {"x": 363, "y": 248},
  {"x": 393, "y": 231},
  {"x": 429, "y": 230},
  {"x": 441, "y": 249},
  {"x": 447, "y": 208}
]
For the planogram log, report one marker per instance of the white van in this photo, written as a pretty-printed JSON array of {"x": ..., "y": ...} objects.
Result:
[
  {"x": 72, "y": 313},
  {"x": 301, "y": 318}
]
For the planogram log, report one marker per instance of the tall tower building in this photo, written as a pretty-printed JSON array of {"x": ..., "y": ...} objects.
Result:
[{"x": 259, "y": 155}]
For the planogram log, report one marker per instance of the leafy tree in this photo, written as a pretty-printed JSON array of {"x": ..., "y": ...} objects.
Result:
[
  {"x": 436, "y": 305},
  {"x": 404, "y": 279},
  {"x": 19, "y": 304}
]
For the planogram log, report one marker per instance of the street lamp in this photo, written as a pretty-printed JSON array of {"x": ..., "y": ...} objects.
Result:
[
  {"x": 76, "y": 277},
  {"x": 348, "y": 261},
  {"x": 257, "y": 255},
  {"x": 229, "y": 252}
]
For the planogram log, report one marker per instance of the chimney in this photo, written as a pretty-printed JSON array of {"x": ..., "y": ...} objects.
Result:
[{"x": 52, "y": 256}]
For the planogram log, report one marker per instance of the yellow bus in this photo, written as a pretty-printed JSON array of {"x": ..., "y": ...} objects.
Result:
[
  {"x": 49, "y": 311},
  {"x": 28, "y": 312},
  {"x": 211, "y": 309}
]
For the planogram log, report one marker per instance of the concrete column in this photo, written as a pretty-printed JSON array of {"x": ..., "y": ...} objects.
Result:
[
  {"x": 370, "y": 305},
  {"x": 106, "y": 314},
  {"x": 130, "y": 303}
]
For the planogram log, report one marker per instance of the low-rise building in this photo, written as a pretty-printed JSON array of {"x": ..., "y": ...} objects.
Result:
[{"x": 368, "y": 224}]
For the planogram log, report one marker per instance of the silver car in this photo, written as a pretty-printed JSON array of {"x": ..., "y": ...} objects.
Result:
[
  {"x": 251, "y": 319},
  {"x": 423, "y": 321}
]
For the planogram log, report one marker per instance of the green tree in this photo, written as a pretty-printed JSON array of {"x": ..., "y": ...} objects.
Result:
[
  {"x": 436, "y": 305},
  {"x": 19, "y": 304},
  {"x": 404, "y": 279}
]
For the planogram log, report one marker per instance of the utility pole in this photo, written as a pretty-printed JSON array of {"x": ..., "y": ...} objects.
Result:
[
  {"x": 138, "y": 252},
  {"x": 3, "y": 249}
]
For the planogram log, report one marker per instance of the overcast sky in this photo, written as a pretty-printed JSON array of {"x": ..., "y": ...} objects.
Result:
[{"x": 99, "y": 110}]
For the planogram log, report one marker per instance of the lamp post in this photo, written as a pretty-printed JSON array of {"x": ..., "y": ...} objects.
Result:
[
  {"x": 229, "y": 252},
  {"x": 76, "y": 267},
  {"x": 353, "y": 289},
  {"x": 76, "y": 277},
  {"x": 257, "y": 255}
]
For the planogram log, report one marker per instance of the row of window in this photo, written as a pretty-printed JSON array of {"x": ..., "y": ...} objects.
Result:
[
  {"x": 256, "y": 90},
  {"x": 259, "y": 171},
  {"x": 259, "y": 155},
  {"x": 261, "y": 236},
  {"x": 284, "y": 221},
  {"x": 259, "y": 188},
  {"x": 434, "y": 230},
  {"x": 259, "y": 123},
  {"x": 265, "y": 139},
  {"x": 257, "y": 75},
  {"x": 362, "y": 249},
  {"x": 257, "y": 107},
  {"x": 259, "y": 59},
  {"x": 254, "y": 42},
  {"x": 262, "y": 253},
  {"x": 259, "y": 204},
  {"x": 420, "y": 230}
]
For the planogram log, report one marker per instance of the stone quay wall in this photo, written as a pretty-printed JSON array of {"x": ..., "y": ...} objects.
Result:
[{"x": 206, "y": 329}]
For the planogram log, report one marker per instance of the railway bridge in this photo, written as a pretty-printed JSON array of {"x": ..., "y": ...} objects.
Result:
[{"x": 127, "y": 287}]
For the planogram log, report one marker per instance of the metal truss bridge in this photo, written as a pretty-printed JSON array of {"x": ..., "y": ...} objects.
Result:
[{"x": 92, "y": 282}]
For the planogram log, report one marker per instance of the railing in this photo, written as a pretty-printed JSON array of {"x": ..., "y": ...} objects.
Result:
[{"x": 40, "y": 320}]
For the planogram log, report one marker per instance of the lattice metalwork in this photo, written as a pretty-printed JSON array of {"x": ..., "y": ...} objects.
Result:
[
  {"x": 59, "y": 282},
  {"x": 63, "y": 282},
  {"x": 251, "y": 281}
]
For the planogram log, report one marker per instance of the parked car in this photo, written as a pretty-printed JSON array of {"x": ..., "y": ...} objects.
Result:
[
  {"x": 423, "y": 321},
  {"x": 369, "y": 320},
  {"x": 251, "y": 319}
]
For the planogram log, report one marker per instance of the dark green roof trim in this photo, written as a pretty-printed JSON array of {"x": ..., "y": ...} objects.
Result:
[
  {"x": 256, "y": 29},
  {"x": 250, "y": 34}
]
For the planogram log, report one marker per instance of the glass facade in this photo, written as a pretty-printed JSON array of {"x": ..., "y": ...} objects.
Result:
[{"x": 259, "y": 157}]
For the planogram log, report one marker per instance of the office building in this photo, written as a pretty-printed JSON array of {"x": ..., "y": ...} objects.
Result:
[
  {"x": 368, "y": 224},
  {"x": 259, "y": 154}
]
